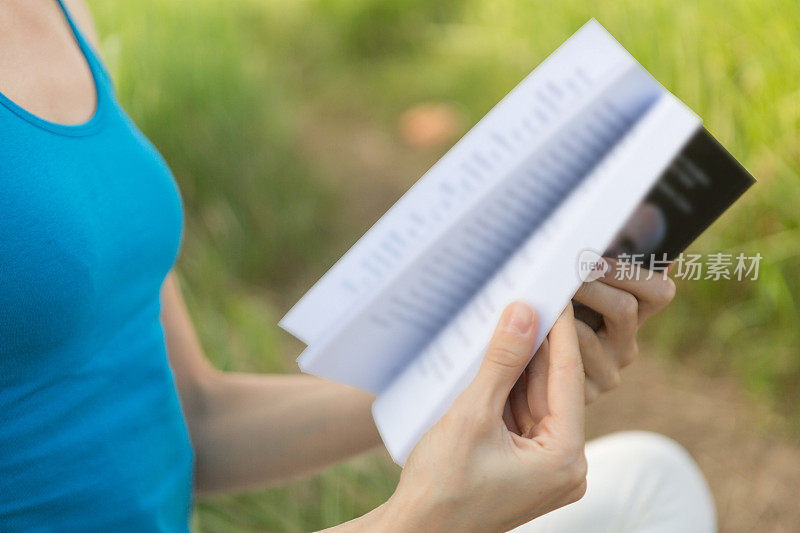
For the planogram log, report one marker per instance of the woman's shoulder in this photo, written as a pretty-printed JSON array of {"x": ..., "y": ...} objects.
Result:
[{"x": 82, "y": 16}]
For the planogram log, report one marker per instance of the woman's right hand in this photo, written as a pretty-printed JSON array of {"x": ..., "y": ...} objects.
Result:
[{"x": 511, "y": 446}]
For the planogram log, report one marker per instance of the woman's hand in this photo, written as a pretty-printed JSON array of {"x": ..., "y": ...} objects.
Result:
[
  {"x": 625, "y": 305},
  {"x": 509, "y": 449}
]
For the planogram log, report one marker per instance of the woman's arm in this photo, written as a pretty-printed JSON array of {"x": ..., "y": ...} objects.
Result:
[{"x": 250, "y": 430}]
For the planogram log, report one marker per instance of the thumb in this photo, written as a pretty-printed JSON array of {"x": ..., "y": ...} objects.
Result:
[{"x": 508, "y": 353}]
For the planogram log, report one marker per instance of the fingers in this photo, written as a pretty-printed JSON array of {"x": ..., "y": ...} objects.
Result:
[
  {"x": 652, "y": 294},
  {"x": 536, "y": 374},
  {"x": 620, "y": 309},
  {"x": 565, "y": 383},
  {"x": 614, "y": 347},
  {"x": 507, "y": 355},
  {"x": 519, "y": 407},
  {"x": 508, "y": 419},
  {"x": 591, "y": 391},
  {"x": 602, "y": 367}
]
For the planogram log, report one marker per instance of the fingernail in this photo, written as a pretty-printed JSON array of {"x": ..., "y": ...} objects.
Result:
[{"x": 518, "y": 318}]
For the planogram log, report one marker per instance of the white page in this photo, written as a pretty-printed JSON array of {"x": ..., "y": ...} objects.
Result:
[
  {"x": 373, "y": 342},
  {"x": 564, "y": 82},
  {"x": 543, "y": 272}
]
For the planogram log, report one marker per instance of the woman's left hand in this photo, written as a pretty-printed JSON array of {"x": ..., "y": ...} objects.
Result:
[{"x": 625, "y": 305}]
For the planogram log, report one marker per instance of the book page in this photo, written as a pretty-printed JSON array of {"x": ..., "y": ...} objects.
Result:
[
  {"x": 566, "y": 80},
  {"x": 377, "y": 341},
  {"x": 544, "y": 272},
  {"x": 392, "y": 293}
]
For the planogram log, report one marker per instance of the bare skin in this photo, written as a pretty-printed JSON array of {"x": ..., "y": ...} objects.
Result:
[
  {"x": 471, "y": 472},
  {"x": 41, "y": 67},
  {"x": 252, "y": 430}
]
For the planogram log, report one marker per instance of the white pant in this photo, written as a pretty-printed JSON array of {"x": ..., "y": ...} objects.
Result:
[{"x": 637, "y": 482}]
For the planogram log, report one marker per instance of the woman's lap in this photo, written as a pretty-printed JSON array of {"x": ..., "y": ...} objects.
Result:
[{"x": 637, "y": 482}]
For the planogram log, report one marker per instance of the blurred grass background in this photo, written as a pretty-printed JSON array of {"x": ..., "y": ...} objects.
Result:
[{"x": 280, "y": 121}]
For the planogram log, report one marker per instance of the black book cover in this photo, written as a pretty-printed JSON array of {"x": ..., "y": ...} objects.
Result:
[{"x": 702, "y": 181}]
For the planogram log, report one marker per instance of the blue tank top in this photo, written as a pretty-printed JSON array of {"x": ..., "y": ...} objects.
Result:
[{"x": 92, "y": 437}]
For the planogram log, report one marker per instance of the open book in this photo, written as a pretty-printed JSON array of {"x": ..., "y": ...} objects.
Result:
[{"x": 555, "y": 169}]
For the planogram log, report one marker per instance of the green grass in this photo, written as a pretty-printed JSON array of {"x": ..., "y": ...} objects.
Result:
[{"x": 226, "y": 89}]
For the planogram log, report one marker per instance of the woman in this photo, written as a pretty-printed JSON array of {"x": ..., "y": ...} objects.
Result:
[{"x": 103, "y": 380}]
